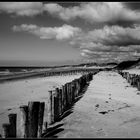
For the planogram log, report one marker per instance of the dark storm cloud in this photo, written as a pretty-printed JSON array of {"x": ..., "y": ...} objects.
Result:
[{"x": 132, "y": 5}]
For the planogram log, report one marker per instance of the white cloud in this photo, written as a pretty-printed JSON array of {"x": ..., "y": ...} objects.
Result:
[
  {"x": 113, "y": 42},
  {"x": 94, "y": 12},
  {"x": 116, "y": 35},
  {"x": 106, "y": 12},
  {"x": 108, "y": 43},
  {"x": 22, "y": 8},
  {"x": 59, "y": 33}
]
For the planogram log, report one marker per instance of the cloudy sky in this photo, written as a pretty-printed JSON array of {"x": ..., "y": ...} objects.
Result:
[{"x": 37, "y": 33}]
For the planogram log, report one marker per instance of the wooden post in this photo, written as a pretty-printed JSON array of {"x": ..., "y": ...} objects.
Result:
[
  {"x": 24, "y": 121},
  {"x": 6, "y": 130},
  {"x": 33, "y": 118},
  {"x": 73, "y": 92},
  {"x": 69, "y": 87},
  {"x": 50, "y": 108},
  {"x": 56, "y": 104},
  {"x": 63, "y": 99},
  {"x": 60, "y": 102},
  {"x": 53, "y": 105},
  {"x": 68, "y": 95},
  {"x": 77, "y": 88},
  {"x": 12, "y": 121},
  {"x": 40, "y": 118}
]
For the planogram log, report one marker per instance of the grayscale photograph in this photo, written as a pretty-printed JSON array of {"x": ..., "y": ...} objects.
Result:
[{"x": 69, "y": 69}]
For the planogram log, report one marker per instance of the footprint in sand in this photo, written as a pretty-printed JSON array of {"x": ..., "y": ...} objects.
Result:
[
  {"x": 125, "y": 106},
  {"x": 103, "y": 112},
  {"x": 133, "y": 120},
  {"x": 100, "y": 132},
  {"x": 2, "y": 113},
  {"x": 97, "y": 106}
]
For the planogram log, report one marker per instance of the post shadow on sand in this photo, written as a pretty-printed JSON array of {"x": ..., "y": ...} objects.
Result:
[{"x": 54, "y": 130}]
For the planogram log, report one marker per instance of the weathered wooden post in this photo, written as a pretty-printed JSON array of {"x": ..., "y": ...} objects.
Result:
[
  {"x": 23, "y": 121},
  {"x": 49, "y": 105},
  {"x": 73, "y": 92},
  {"x": 78, "y": 86},
  {"x": 33, "y": 118},
  {"x": 63, "y": 97},
  {"x": 40, "y": 118},
  {"x": 68, "y": 95},
  {"x": 60, "y": 102},
  {"x": 6, "y": 130},
  {"x": 12, "y": 121},
  {"x": 55, "y": 105},
  {"x": 74, "y": 89},
  {"x": 62, "y": 93},
  {"x": 70, "y": 88}
]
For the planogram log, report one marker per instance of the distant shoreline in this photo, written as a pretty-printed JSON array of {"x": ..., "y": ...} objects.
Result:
[{"x": 42, "y": 73}]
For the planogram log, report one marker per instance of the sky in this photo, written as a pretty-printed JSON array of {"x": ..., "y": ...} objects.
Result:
[{"x": 60, "y": 33}]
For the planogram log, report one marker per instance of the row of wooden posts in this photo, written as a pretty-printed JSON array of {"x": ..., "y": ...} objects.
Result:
[
  {"x": 31, "y": 115},
  {"x": 46, "y": 73},
  {"x": 133, "y": 79},
  {"x": 69, "y": 72}
]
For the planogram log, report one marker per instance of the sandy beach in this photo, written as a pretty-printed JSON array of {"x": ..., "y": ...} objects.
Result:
[
  {"x": 109, "y": 108},
  {"x": 16, "y": 93}
]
